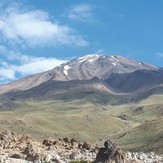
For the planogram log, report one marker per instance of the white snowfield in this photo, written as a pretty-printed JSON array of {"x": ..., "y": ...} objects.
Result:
[{"x": 66, "y": 68}]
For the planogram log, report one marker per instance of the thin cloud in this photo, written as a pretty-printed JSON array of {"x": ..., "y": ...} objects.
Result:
[
  {"x": 26, "y": 65},
  {"x": 36, "y": 28},
  {"x": 100, "y": 51},
  {"x": 81, "y": 12},
  {"x": 159, "y": 54},
  {"x": 7, "y": 73},
  {"x": 39, "y": 64}
]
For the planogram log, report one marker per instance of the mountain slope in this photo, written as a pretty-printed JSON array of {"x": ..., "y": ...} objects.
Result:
[
  {"x": 25, "y": 83},
  {"x": 138, "y": 80},
  {"x": 83, "y": 68},
  {"x": 94, "y": 90}
]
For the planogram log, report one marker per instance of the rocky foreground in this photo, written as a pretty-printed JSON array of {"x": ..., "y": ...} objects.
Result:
[{"x": 22, "y": 149}]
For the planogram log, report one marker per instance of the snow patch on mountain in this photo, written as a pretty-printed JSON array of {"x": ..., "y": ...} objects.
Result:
[
  {"x": 66, "y": 68},
  {"x": 114, "y": 64},
  {"x": 89, "y": 57}
]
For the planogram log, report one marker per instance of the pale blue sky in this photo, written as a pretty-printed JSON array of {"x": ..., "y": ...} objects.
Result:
[{"x": 37, "y": 35}]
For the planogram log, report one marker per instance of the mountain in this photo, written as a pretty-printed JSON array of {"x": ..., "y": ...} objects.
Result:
[
  {"x": 89, "y": 66},
  {"x": 92, "y": 98},
  {"x": 92, "y": 75}
]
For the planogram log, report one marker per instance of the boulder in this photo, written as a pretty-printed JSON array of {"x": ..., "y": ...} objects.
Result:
[
  {"x": 110, "y": 153},
  {"x": 73, "y": 141},
  {"x": 47, "y": 142},
  {"x": 86, "y": 146},
  {"x": 66, "y": 140},
  {"x": 16, "y": 156}
]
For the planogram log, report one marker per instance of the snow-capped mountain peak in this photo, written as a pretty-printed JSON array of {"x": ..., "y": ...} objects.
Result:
[
  {"x": 82, "y": 68},
  {"x": 95, "y": 65},
  {"x": 89, "y": 57}
]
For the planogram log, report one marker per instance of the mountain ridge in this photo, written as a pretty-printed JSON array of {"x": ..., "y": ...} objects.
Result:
[
  {"x": 83, "y": 68},
  {"x": 94, "y": 77}
]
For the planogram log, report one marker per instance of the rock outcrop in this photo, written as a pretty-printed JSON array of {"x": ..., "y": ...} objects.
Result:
[
  {"x": 112, "y": 153},
  {"x": 22, "y": 149}
]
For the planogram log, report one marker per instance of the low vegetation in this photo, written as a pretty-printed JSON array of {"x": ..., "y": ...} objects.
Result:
[{"x": 88, "y": 121}]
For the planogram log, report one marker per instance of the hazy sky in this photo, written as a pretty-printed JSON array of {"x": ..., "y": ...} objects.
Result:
[{"x": 37, "y": 35}]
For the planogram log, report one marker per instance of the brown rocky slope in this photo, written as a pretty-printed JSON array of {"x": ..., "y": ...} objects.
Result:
[{"x": 20, "y": 149}]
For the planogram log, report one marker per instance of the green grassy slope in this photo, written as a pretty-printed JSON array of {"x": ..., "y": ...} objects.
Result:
[
  {"x": 79, "y": 119},
  {"x": 146, "y": 137},
  {"x": 90, "y": 121},
  {"x": 147, "y": 120}
]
